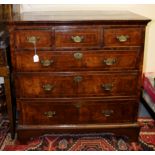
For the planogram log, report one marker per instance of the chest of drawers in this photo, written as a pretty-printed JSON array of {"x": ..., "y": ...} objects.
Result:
[{"x": 88, "y": 76}]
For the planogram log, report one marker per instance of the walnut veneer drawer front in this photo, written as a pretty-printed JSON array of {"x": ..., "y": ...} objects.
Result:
[
  {"x": 76, "y": 84},
  {"x": 78, "y": 112},
  {"x": 77, "y": 60},
  {"x": 122, "y": 37},
  {"x": 24, "y": 38},
  {"x": 77, "y": 37}
]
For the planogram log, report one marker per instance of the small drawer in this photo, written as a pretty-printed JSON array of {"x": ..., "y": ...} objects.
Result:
[
  {"x": 87, "y": 84},
  {"x": 25, "y": 38},
  {"x": 77, "y": 37},
  {"x": 77, "y": 112},
  {"x": 122, "y": 37},
  {"x": 77, "y": 60}
]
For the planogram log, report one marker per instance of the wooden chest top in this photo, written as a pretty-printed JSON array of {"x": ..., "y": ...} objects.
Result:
[{"x": 80, "y": 17}]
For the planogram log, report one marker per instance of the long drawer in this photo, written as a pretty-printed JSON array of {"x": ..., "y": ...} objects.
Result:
[
  {"x": 75, "y": 84},
  {"x": 76, "y": 112},
  {"x": 77, "y": 60}
]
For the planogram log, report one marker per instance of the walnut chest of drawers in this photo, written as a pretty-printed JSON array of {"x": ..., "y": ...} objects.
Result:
[{"x": 88, "y": 76}]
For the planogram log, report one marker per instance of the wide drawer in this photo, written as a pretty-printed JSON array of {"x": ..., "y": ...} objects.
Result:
[
  {"x": 77, "y": 37},
  {"x": 74, "y": 84},
  {"x": 76, "y": 112},
  {"x": 25, "y": 38},
  {"x": 77, "y": 60},
  {"x": 123, "y": 37}
]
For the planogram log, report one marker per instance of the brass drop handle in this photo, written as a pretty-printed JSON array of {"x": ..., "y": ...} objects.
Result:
[
  {"x": 33, "y": 39},
  {"x": 46, "y": 63},
  {"x": 107, "y": 86},
  {"x": 50, "y": 114},
  {"x": 78, "y": 79},
  {"x": 48, "y": 87},
  {"x": 78, "y": 105},
  {"x": 109, "y": 61},
  {"x": 78, "y": 55},
  {"x": 77, "y": 39},
  {"x": 122, "y": 38},
  {"x": 107, "y": 113}
]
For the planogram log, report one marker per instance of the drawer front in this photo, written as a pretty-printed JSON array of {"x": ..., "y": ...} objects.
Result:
[
  {"x": 78, "y": 60},
  {"x": 77, "y": 112},
  {"x": 77, "y": 37},
  {"x": 24, "y": 39},
  {"x": 47, "y": 85},
  {"x": 123, "y": 37}
]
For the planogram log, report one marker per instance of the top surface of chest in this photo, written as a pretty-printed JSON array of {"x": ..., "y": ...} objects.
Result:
[{"x": 78, "y": 17}]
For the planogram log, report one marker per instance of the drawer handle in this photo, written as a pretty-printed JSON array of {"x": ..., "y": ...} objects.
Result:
[
  {"x": 107, "y": 86},
  {"x": 109, "y": 61},
  {"x": 77, "y": 39},
  {"x": 48, "y": 87},
  {"x": 78, "y": 79},
  {"x": 78, "y": 56},
  {"x": 33, "y": 39},
  {"x": 50, "y": 114},
  {"x": 46, "y": 63},
  {"x": 78, "y": 105},
  {"x": 107, "y": 113},
  {"x": 122, "y": 38}
]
